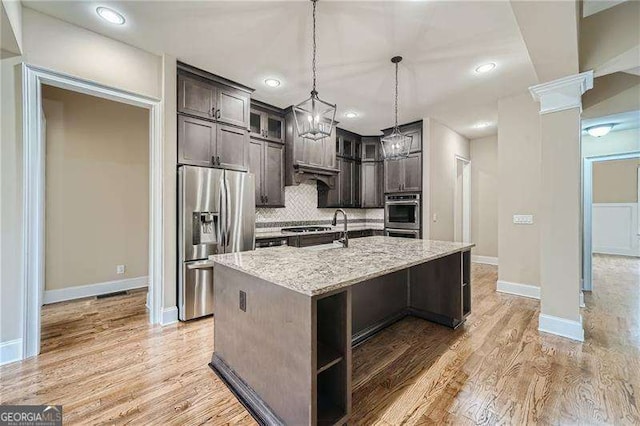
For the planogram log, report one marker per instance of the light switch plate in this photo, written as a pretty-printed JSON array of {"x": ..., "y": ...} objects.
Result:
[
  {"x": 523, "y": 219},
  {"x": 120, "y": 269},
  {"x": 435, "y": 217}
]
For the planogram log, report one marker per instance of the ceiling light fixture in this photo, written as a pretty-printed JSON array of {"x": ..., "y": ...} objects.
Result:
[
  {"x": 599, "y": 130},
  {"x": 482, "y": 125},
  {"x": 314, "y": 117},
  {"x": 110, "y": 15},
  {"x": 350, "y": 114},
  {"x": 272, "y": 82},
  {"x": 397, "y": 144},
  {"x": 485, "y": 68}
]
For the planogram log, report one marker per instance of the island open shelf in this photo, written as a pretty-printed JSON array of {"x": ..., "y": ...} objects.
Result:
[{"x": 286, "y": 349}]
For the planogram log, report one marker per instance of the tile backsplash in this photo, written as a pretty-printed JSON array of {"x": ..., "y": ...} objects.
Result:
[{"x": 301, "y": 203}]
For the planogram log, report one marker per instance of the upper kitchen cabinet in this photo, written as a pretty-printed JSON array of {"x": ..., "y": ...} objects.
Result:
[
  {"x": 232, "y": 146},
  {"x": 371, "y": 148},
  {"x": 266, "y": 162},
  {"x": 196, "y": 141},
  {"x": 404, "y": 175},
  {"x": 196, "y": 97},
  {"x": 306, "y": 158},
  {"x": 348, "y": 144},
  {"x": 266, "y": 122},
  {"x": 414, "y": 130},
  {"x": 232, "y": 106},
  {"x": 204, "y": 143},
  {"x": 211, "y": 97},
  {"x": 371, "y": 185}
]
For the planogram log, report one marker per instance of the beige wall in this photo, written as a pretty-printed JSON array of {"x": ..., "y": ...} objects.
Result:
[
  {"x": 560, "y": 214},
  {"x": 11, "y": 200},
  {"x": 61, "y": 47},
  {"x": 518, "y": 189},
  {"x": 97, "y": 189},
  {"x": 616, "y": 181},
  {"x": 66, "y": 48},
  {"x": 484, "y": 195},
  {"x": 439, "y": 161}
]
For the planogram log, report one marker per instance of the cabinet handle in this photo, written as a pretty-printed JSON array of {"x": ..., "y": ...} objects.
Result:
[
  {"x": 213, "y": 112},
  {"x": 218, "y": 159},
  {"x": 218, "y": 113},
  {"x": 213, "y": 160},
  {"x": 266, "y": 198}
]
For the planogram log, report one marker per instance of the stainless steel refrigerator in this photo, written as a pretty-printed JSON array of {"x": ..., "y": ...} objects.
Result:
[{"x": 216, "y": 215}]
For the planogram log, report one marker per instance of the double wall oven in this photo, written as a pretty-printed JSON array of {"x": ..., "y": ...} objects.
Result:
[{"x": 402, "y": 215}]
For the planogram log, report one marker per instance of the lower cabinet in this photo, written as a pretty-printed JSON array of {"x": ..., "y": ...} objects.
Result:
[{"x": 266, "y": 162}]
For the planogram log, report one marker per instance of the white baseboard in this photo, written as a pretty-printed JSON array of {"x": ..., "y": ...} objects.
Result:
[
  {"x": 524, "y": 290},
  {"x": 78, "y": 292},
  {"x": 561, "y": 327},
  {"x": 616, "y": 251},
  {"x": 169, "y": 315},
  {"x": 10, "y": 351},
  {"x": 487, "y": 260}
]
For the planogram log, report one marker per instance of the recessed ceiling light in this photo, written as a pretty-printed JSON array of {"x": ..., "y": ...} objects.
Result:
[
  {"x": 110, "y": 15},
  {"x": 599, "y": 130},
  {"x": 485, "y": 68},
  {"x": 482, "y": 125},
  {"x": 351, "y": 114},
  {"x": 272, "y": 82}
]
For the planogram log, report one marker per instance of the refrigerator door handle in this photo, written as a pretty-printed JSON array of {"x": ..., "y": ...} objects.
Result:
[
  {"x": 223, "y": 217},
  {"x": 227, "y": 215}
]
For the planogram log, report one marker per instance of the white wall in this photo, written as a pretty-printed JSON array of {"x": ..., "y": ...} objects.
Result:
[
  {"x": 617, "y": 142},
  {"x": 484, "y": 196},
  {"x": 11, "y": 28},
  {"x": 440, "y": 147},
  {"x": 615, "y": 229}
]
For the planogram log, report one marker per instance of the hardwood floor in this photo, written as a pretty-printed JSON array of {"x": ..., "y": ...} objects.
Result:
[{"x": 105, "y": 364}]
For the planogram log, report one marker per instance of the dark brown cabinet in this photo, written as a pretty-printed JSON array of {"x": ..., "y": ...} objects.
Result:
[
  {"x": 266, "y": 125},
  {"x": 204, "y": 143},
  {"x": 371, "y": 185},
  {"x": 196, "y": 97},
  {"x": 404, "y": 175},
  {"x": 414, "y": 130},
  {"x": 213, "y": 101},
  {"x": 196, "y": 141},
  {"x": 266, "y": 162}
]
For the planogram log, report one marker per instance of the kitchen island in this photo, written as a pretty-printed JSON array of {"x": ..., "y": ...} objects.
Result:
[{"x": 286, "y": 318}]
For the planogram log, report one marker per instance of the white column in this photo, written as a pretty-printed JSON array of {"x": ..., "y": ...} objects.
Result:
[{"x": 560, "y": 204}]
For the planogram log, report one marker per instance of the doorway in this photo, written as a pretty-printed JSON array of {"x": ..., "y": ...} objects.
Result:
[
  {"x": 462, "y": 201},
  {"x": 611, "y": 199},
  {"x": 33, "y": 265}
]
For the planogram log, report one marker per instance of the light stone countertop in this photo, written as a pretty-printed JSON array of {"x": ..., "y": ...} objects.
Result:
[
  {"x": 275, "y": 233},
  {"x": 320, "y": 269}
]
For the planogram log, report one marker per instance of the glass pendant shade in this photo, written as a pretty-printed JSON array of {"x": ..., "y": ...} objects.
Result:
[
  {"x": 314, "y": 117},
  {"x": 396, "y": 145}
]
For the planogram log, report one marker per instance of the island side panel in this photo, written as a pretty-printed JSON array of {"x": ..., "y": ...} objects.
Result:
[
  {"x": 268, "y": 346},
  {"x": 435, "y": 290},
  {"x": 377, "y": 303}
]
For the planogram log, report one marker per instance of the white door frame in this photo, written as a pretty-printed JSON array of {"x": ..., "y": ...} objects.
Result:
[
  {"x": 466, "y": 196},
  {"x": 587, "y": 212},
  {"x": 34, "y": 190}
]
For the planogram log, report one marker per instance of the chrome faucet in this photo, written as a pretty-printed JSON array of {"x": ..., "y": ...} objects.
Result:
[{"x": 345, "y": 238}]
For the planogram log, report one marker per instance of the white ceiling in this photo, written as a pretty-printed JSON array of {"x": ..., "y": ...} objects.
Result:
[
  {"x": 622, "y": 121},
  {"x": 441, "y": 42}
]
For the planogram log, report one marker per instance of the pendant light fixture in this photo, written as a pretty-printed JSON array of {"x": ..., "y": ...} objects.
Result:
[
  {"x": 397, "y": 144},
  {"x": 314, "y": 117}
]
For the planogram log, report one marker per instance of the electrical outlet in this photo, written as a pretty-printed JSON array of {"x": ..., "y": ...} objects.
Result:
[
  {"x": 243, "y": 301},
  {"x": 435, "y": 217},
  {"x": 120, "y": 269},
  {"x": 523, "y": 219}
]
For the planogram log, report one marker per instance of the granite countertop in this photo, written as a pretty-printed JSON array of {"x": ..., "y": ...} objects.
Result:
[
  {"x": 317, "y": 270},
  {"x": 351, "y": 227}
]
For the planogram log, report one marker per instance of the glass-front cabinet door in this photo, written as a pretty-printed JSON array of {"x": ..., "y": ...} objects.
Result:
[
  {"x": 255, "y": 124},
  {"x": 267, "y": 126},
  {"x": 275, "y": 128}
]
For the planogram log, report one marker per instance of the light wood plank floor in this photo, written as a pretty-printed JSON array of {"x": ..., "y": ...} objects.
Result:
[{"x": 105, "y": 364}]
